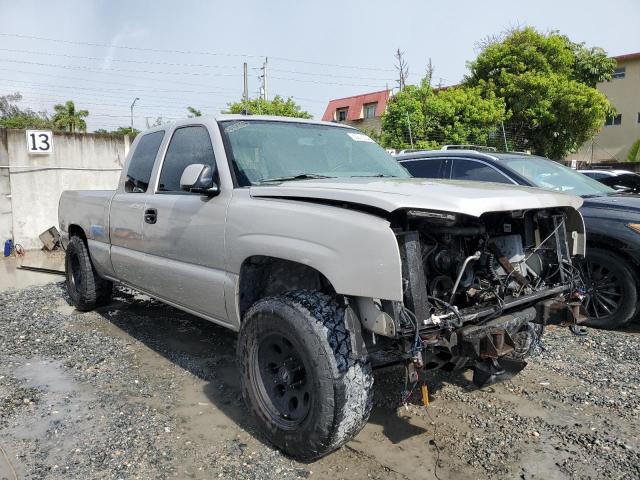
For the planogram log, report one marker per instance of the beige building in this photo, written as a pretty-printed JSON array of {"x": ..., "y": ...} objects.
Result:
[{"x": 614, "y": 140}]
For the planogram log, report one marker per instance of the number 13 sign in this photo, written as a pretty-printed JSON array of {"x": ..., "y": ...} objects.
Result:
[{"x": 39, "y": 141}]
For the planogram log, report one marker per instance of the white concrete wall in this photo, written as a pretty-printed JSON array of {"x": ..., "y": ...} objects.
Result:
[
  {"x": 78, "y": 162},
  {"x": 6, "y": 221}
]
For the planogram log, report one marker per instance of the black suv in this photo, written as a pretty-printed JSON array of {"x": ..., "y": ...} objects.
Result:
[{"x": 612, "y": 267}]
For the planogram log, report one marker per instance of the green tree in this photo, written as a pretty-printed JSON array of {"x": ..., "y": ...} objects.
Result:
[
  {"x": 12, "y": 116},
  {"x": 460, "y": 115},
  {"x": 119, "y": 131},
  {"x": 69, "y": 119},
  {"x": 193, "y": 112},
  {"x": 634, "y": 152},
  {"x": 547, "y": 83},
  {"x": 277, "y": 106}
]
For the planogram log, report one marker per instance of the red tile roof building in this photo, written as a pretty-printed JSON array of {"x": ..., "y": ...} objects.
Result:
[{"x": 362, "y": 111}]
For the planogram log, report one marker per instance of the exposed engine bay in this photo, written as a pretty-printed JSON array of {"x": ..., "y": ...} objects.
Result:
[{"x": 477, "y": 290}]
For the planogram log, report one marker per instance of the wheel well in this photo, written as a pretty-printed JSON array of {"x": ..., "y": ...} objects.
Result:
[
  {"x": 263, "y": 276},
  {"x": 76, "y": 230}
]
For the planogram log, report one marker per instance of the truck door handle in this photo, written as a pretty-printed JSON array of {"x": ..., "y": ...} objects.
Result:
[{"x": 151, "y": 215}]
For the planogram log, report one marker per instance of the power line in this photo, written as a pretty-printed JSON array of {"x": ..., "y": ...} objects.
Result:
[
  {"x": 99, "y": 104},
  {"x": 189, "y": 65},
  {"x": 125, "y": 47},
  {"x": 326, "y": 83},
  {"x": 107, "y": 71},
  {"x": 315, "y": 74},
  {"x": 146, "y": 62},
  {"x": 129, "y": 86},
  {"x": 126, "y": 92},
  {"x": 283, "y": 59},
  {"x": 192, "y": 52}
]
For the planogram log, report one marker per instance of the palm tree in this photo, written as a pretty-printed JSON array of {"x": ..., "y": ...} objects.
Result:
[
  {"x": 68, "y": 118},
  {"x": 193, "y": 112}
]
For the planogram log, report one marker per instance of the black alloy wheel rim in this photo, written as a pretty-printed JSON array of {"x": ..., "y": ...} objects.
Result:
[
  {"x": 283, "y": 386},
  {"x": 604, "y": 292},
  {"x": 75, "y": 272}
]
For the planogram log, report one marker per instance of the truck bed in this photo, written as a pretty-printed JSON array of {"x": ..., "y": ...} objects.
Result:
[{"x": 88, "y": 209}]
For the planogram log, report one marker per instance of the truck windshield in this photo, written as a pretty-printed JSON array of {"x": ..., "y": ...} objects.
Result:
[
  {"x": 264, "y": 151},
  {"x": 545, "y": 173}
]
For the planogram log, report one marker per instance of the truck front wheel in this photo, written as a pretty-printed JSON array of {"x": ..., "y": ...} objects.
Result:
[
  {"x": 85, "y": 287},
  {"x": 299, "y": 378}
]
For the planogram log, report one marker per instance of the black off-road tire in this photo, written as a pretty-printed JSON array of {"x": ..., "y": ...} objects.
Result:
[
  {"x": 85, "y": 287},
  {"x": 610, "y": 283},
  {"x": 333, "y": 390}
]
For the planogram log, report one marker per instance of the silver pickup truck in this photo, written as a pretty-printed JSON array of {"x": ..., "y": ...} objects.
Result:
[{"x": 329, "y": 260}]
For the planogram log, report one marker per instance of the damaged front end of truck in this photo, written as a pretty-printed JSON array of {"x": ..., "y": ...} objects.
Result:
[{"x": 478, "y": 291}]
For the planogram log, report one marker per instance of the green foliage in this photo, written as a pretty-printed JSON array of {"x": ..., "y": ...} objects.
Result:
[
  {"x": 460, "y": 115},
  {"x": 634, "y": 153},
  {"x": 277, "y": 106},
  {"x": 119, "y": 131},
  {"x": 69, "y": 119},
  {"x": 547, "y": 83},
  {"x": 12, "y": 116},
  {"x": 591, "y": 65},
  {"x": 193, "y": 112}
]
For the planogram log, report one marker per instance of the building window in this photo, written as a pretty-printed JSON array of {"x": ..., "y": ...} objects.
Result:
[
  {"x": 370, "y": 110},
  {"x": 341, "y": 114},
  {"x": 638, "y": 117},
  {"x": 619, "y": 72},
  {"x": 617, "y": 120}
]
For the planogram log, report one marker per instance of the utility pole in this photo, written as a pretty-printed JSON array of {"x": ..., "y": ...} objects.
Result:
[
  {"x": 410, "y": 135},
  {"x": 265, "y": 94},
  {"x": 504, "y": 135},
  {"x": 245, "y": 91},
  {"x": 132, "y": 104}
]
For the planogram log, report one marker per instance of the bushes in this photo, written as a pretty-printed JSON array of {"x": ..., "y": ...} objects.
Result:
[{"x": 634, "y": 155}]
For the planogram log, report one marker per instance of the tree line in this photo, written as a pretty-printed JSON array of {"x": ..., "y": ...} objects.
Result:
[{"x": 539, "y": 87}]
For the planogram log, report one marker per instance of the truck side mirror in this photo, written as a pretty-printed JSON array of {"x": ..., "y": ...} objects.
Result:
[{"x": 198, "y": 178}]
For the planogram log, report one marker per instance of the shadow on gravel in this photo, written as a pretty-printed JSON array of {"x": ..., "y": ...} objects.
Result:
[
  {"x": 198, "y": 346},
  {"x": 207, "y": 351}
]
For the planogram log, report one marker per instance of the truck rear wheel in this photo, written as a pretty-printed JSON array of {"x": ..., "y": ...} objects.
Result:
[
  {"x": 299, "y": 378},
  {"x": 85, "y": 287}
]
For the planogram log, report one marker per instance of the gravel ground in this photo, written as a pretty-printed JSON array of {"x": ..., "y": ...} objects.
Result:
[{"x": 140, "y": 390}]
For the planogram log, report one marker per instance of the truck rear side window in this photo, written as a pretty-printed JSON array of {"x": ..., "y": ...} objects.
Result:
[
  {"x": 142, "y": 161},
  {"x": 188, "y": 145}
]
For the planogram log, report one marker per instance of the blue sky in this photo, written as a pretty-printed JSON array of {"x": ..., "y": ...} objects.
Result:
[{"x": 173, "y": 54}]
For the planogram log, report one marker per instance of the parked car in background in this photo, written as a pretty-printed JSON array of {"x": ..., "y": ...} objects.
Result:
[
  {"x": 619, "y": 180},
  {"x": 612, "y": 267}
]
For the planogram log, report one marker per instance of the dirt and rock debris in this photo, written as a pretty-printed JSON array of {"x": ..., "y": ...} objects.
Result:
[{"x": 140, "y": 390}]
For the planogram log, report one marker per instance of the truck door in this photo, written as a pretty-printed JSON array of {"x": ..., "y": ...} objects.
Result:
[
  {"x": 183, "y": 232},
  {"x": 127, "y": 211}
]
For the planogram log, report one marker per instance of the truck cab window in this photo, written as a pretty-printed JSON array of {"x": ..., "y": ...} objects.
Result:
[
  {"x": 141, "y": 164},
  {"x": 188, "y": 145},
  {"x": 471, "y": 170}
]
